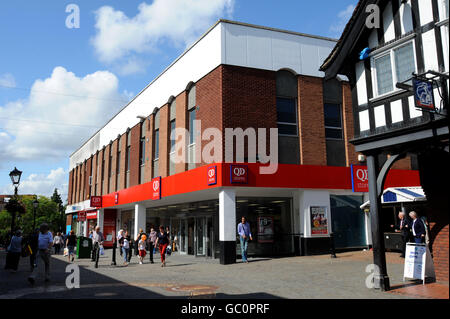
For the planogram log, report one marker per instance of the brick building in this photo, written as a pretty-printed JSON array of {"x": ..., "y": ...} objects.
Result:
[{"x": 236, "y": 76}]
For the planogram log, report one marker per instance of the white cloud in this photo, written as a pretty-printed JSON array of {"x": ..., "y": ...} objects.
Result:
[
  {"x": 343, "y": 17},
  {"x": 7, "y": 79},
  {"x": 177, "y": 21},
  {"x": 42, "y": 184},
  {"x": 58, "y": 115}
]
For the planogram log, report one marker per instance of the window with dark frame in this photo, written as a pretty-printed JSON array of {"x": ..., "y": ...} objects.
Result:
[{"x": 333, "y": 121}]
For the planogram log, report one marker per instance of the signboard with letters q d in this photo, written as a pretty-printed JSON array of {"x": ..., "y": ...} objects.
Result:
[
  {"x": 96, "y": 201},
  {"x": 212, "y": 175},
  {"x": 239, "y": 174},
  {"x": 156, "y": 188},
  {"x": 360, "y": 178}
]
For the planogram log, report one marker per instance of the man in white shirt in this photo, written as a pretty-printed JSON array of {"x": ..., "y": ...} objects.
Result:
[
  {"x": 45, "y": 243},
  {"x": 97, "y": 241}
]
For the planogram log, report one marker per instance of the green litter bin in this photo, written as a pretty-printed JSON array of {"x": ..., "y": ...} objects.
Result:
[{"x": 84, "y": 247}]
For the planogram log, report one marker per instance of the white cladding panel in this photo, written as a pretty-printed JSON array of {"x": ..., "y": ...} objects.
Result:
[
  {"x": 274, "y": 50},
  {"x": 425, "y": 11},
  {"x": 445, "y": 47},
  {"x": 364, "y": 124},
  {"x": 429, "y": 51},
  {"x": 380, "y": 118},
  {"x": 361, "y": 87},
  {"x": 388, "y": 23},
  {"x": 443, "y": 9},
  {"x": 396, "y": 111},
  {"x": 406, "y": 17}
]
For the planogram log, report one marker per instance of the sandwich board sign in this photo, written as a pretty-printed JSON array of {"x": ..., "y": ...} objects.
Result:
[{"x": 418, "y": 262}]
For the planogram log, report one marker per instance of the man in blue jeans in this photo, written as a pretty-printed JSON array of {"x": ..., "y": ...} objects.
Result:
[{"x": 244, "y": 235}]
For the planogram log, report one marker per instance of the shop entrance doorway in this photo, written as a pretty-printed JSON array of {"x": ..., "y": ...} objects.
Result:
[{"x": 196, "y": 236}]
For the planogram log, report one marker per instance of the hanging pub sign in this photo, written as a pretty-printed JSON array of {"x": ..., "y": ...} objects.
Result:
[
  {"x": 156, "y": 188},
  {"x": 423, "y": 95},
  {"x": 212, "y": 175},
  {"x": 319, "y": 220},
  {"x": 96, "y": 201},
  {"x": 360, "y": 179}
]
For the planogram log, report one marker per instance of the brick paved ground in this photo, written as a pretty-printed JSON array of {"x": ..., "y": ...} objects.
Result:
[{"x": 186, "y": 276}]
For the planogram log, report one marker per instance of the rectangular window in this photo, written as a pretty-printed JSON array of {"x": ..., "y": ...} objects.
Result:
[
  {"x": 395, "y": 65},
  {"x": 192, "y": 114},
  {"x": 172, "y": 148},
  {"x": 128, "y": 159},
  {"x": 287, "y": 116},
  {"x": 156, "y": 145},
  {"x": 404, "y": 62},
  {"x": 333, "y": 121},
  {"x": 118, "y": 171},
  {"x": 142, "y": 151},
  {"x": 384, "y": 74}
]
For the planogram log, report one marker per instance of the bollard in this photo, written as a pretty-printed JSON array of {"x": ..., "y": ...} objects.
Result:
[
  {"x": 113, "y": 263},
  {"x": 332, "y": 249}
]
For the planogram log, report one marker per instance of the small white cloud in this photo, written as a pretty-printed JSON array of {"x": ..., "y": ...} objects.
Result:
[
  {"x": 42, "y": 184},
  {"x": 60, "y": 113},
  {"x": 178, "y": 21},
  {"x": 343, "y": 17},
  {"x": 7, "y": 79}
]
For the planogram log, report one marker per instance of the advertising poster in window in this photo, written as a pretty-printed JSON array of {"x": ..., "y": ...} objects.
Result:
[
  {"x": 319, "y": 220},
  {"x": 265, "y": 229}
]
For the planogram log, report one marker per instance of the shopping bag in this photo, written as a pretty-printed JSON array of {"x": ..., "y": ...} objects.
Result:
[
  {"x": 169, "y": 250},
  {"x": 66, "y": 252},
  {"x": 102, "y": 251}
]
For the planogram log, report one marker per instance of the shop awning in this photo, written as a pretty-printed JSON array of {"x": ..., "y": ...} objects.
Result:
[{"x": 394, "y": 195}]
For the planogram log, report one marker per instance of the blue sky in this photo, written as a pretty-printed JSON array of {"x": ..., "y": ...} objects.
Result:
[{"x": 59, "y": 85}]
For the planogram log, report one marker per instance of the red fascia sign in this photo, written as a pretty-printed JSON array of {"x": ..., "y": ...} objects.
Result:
[
  {"x": 212, "y": 175},
  {"x": 360, "y": 179},
  {"x": 82, "y": 216},
  {"x": 239, "y": 174},
  {"x": 156, "y": 188},
  {"x": 91, "y": 215},
  {"x": 96, "y": 201}
]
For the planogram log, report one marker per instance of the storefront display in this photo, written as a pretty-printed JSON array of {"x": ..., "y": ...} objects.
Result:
[{"x": 319, "y": 220}]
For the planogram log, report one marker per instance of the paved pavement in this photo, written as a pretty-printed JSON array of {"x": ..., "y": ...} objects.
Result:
[{"x": 184, "y": 277}]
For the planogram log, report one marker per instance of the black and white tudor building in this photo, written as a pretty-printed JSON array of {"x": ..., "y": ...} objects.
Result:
[{"x": 412, "y": 37}]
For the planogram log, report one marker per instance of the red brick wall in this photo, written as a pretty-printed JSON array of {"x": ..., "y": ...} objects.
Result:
[
  {"x": 163, "y": 140},
  {"x": 181, "y": 122},
  {"x": 440, "y": 251},
  {"x": 70, "y": 188},
  {"x": 94, "y": 174},
  {"x": 69, "y": 219},
  {"x": 313, "y": 149},
  {"x": 115, "y": 145},
  {"x": 99, "y": 173},
  {"x": 347, "y": 119},
  {"x": 149, "y": 124},
  {"x": 88, "y": 173},
  {"x": 134, "y": 154},
  {"x": 404, "y": 163},
  {"x": 123, "y": 158}
]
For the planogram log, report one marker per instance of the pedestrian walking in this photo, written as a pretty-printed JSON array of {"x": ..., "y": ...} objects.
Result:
[
  {"x": 244, "y": 236},
  {"x": 45, "y": 243},
  {"x": 97, "y": 241},
  {"x": 57, "y": 243},
  {"x": 142, "y": 245},
  {"x": 162, "y": 241},
  {"x": 151, "y": 243},
  {"x": 418, "y": 228},
  {"x": 14, "y": 251},
  {"x": 125, "y": 244},
  {"x": 427, "y": 229},
  {"x": 119, "y": 237},
  {"x": 71, "y": 242},
  {"x": 33, "y": 242},
  {"x": 136, "y": 241}
]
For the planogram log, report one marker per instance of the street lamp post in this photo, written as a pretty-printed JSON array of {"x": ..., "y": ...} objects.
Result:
[
  {"x": 35, "y": 206},
  {"x": 15, "y": 179}
]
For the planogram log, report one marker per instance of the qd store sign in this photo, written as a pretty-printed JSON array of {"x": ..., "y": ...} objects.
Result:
[
  {"x": 96, "y": 201},
  {"x": 212, "y": 175},
  {"x": 239, "y": 174},
  {"x": 360, "y": 179},
  {"x": 156, "y": 188}
]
